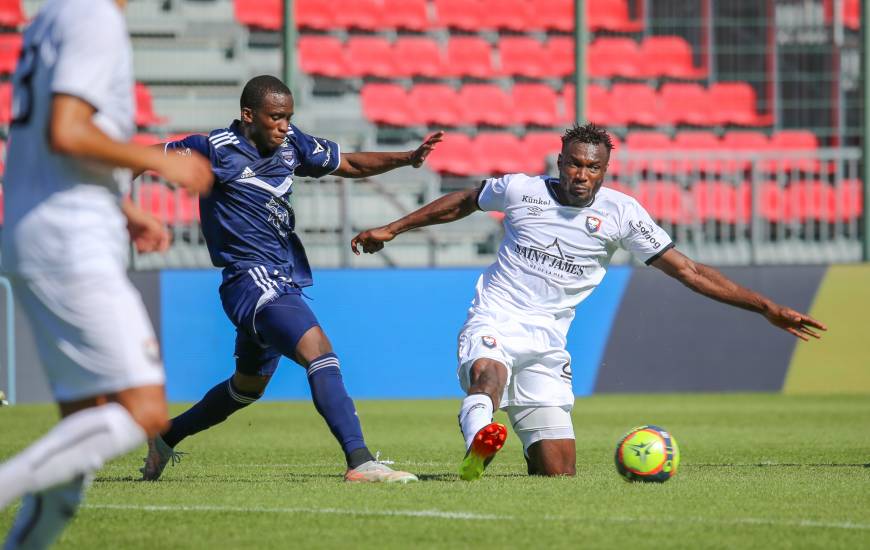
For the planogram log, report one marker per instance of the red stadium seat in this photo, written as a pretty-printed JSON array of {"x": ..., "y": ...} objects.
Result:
[
  {"x": 539, "y": 146},
  {"x": 486, "y": 104},
  {"x": 469, "y": 56},
  {"x": 851, "y": 13},
  {"x": 158, "y": 200},
  {"x": 322, "y": 55},
  {"x": 535, "y": 104},
  {"x": 614, "y": 56},
  {"x": 669, "y": 56},
  {"x": 311, "y": 14},
  {"x": 418, "y": 56},
  {"x": 522, "y": 55},
  {"x": 811, "y": 200},
  {"x": 436, "y": 104},
  {"x": 611, "y": 15},
  {"x": 795, "y": 141},
  {"x": 743, "y": 142},
  {"x": 11, "y": 14},
  {"x": 358, "y": 14},
  {"x": 5, "y": 102},
  {"x": 465, "y": 15},
  {"x": 263, "y": 14},
  {"x": 598, "y": 106},
  {"x": 735, "y": 103},
  {"x": 386, "y": 104},
  {"x": 696, "y": 144},
  {"x": 850, "y": 198},
  {"x": 663, "y": 200},
  {"x": 684, "y": 103},
  {"x": 512, "y": 15},
  {"x": 634, "y": 104},
  {"x": 556, "y": 15},
  {"x": 559, "y": 53},
  {"x": 145, "y": 115},
  {"x": 502, "y": 153},
  {"x": 722, "y": 202},
  {"x": 774, "y": 207},
  {"x": 10, "y": 49},
  {"x": 369, "y": 56},
  {"x": 650, "y": 142},
  {"x": 412, "y": 15},
  {"x": 454, "y": 155}
]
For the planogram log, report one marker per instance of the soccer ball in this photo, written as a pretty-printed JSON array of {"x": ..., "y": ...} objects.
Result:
[{"x": 647, "y": 453}]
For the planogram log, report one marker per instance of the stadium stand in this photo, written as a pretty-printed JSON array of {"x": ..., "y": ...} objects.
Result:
[
  {"x": 469, "y": 56},
  {"x": 322, "y": 55},
  {"x": 11, "y": 14},
  {"x": 266, "y": 14},
  {"x": 411, "y": 15},
  {"x": 10, "y": 49},
  {"x": 145, "y": 115}
]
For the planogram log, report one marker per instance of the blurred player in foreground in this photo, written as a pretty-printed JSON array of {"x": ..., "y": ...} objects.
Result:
[
  {"x": 560, "y": 234},
  {"x": 248, "y": 225},
  {"x": 65, "y": 247}
]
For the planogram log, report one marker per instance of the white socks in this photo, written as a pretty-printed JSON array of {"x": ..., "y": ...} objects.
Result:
[
  {"x": 44, "y": 515},
  {"x": 78, "y": 445},
  {"x": 474, "y": 414}
]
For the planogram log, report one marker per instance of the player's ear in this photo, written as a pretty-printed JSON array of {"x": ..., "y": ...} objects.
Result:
[{"x": 247, "y": 115}]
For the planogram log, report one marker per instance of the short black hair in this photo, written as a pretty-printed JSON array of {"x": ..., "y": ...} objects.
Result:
[
  {"x": 258, "y": 88},
  {"x": 588, "y": 133}
]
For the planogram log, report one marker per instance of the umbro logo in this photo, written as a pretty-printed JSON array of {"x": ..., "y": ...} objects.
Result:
[{"x": 248, "y": 173}]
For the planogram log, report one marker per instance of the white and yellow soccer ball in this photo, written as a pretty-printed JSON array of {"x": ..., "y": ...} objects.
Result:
[{"x": 647, "y": 453}]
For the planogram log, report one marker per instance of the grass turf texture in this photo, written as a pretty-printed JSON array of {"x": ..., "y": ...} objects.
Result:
[{"x": 757, "y": 471}]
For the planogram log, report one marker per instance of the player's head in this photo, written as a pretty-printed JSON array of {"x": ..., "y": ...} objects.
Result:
[
  {"x": 583, "y": 163},
  {"x": 266, "y": 108}
]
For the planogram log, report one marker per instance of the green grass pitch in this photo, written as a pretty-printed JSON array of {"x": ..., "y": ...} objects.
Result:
[{"x": 757, "y": 471}]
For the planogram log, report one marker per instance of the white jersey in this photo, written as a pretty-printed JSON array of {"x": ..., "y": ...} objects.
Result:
[
  {"x": 62, "y": 214},
  {"x": 553, "y": 256}
]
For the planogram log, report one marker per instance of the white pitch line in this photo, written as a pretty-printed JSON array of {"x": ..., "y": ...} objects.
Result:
[{"x": 440, "y": 514}]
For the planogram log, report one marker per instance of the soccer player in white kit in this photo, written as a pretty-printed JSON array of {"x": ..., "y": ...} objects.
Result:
[
  {"x": 560, "y": 234},
  {"x": 65, "y": 245}
]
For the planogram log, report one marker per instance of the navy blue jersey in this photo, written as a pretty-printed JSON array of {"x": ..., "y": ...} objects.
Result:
[{"x": 247, "y": 219}]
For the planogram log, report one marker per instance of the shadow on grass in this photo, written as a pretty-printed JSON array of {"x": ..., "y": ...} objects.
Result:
[{"x": 778, "y": 465}]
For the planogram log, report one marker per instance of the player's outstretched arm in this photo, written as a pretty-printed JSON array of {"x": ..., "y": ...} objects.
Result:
[
  {"x": 448, "y": 208},
  {"x": 72, "y": 132},
  {"x": 705, "y": 280},
  {"x": 363, "y": 164},
  {"x": 147, "y": 232}
]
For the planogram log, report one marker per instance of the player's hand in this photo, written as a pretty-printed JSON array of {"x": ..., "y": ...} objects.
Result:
[
  {"x": 371, "y": 240},
  {"x": 418, "y": 157},
  {"x": 794, "y": 322},
  {"x": 147, "y": 232},
  {"x": 192, "y": 172}
]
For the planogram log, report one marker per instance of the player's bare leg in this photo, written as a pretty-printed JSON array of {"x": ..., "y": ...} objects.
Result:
[
  {"x": 483, "y": 437},
  {"x": 552, "y": 457}
]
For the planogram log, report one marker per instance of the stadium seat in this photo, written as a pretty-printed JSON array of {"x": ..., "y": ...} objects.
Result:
[
  {"x": 469, "y": 56},
  {"x": 597, "y": 104},
  {"x": 5, "y": 102},
  {"x": 412, "y": 15},
  {"x": 851, "y": 13},
  {"x": 465, "y": 15},
  {"x": 436, "y": 104},
  {"x": 322, "y": 55},
  {"x": 774, "y": 207},
  {"x": 735, "y": 103},
  {"x": 634, "y": 104},
  {"x": 745, "y": 143},
  {"x": 158, "y": 200},
  {"x": 669, "y": 56},
  {"x": 10, "y": 49},
  {"x": 850, "y": 197},
  {"x": 614, "y": 56},
  {"x": 11, "y": 14},
  {"x": 811, "y": 200},
  {"x": 454, "y": 155},
  {"x": 722, "y": 202},
  {"x": 793, "y": 142},
  {"x": 311, "y": 14},
  {"x": 522, "y": 55},
  {"x": 559, "y": 53},
  {"x": 365, "y": 15},
  {"x": 535, "y": 104},
  {"x": 486, "y": 104},
  {"x": 663, "y": 200},
  {"x": 610, "y": 15},
  {"x": 263, "y": 14},
  {"x": 418, "y": 56},
  {"x": 369, "y": 56},
  {"x": 556, "y": 15},
  {"x": 698, "y": 145},
  {"x": 512, "y": 15},
  {"x": 502, "y": 153},
  {"x": 650, "y": 142},
  {"x": 539, "y": 146},
  {"x": 145, "y": 115},
  {"x": 386, "y": 104},
  {"x": 684, "y": 103}
]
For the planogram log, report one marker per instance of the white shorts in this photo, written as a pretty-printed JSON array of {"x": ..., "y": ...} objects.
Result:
[
  {"x": 92, "y": 331},
  {"x": 532, "y": 424},
  {"x": 539, "y": 368}
]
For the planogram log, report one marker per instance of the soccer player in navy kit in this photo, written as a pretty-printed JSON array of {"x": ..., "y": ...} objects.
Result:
[{"x": 248, "y": 225}]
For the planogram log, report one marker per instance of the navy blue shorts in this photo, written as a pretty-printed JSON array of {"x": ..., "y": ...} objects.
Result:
[{"x": 270, "y": 315}]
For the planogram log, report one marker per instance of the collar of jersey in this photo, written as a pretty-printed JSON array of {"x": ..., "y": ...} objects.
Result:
[{"x": 551, "y": 182}]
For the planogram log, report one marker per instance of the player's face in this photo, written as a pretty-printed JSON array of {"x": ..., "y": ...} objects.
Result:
[
  {"x": 581, "y": 171},
  {"x": 270, "y": 122}
]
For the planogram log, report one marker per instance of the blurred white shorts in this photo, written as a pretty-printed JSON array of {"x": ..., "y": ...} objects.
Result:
[{"x": 93, "y": 332}]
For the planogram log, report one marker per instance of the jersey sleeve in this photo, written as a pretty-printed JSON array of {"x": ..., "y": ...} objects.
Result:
[
  {"x": 194, "y": 142},
  {"x": 491, "y": 197},
  {"x": 90, "y": 49},
  {"x": 641, "y": 235},
  {"x": 318, "y": 156}
]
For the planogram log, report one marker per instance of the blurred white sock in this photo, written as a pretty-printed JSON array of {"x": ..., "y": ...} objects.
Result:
[{"x": 44, "y": 515}]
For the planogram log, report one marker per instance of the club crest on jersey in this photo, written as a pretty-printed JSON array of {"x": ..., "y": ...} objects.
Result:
[
  {"x": 593, "y": 224},
  {"x": 288, "y": 156},
  {"x": 489, "y": 341}
]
